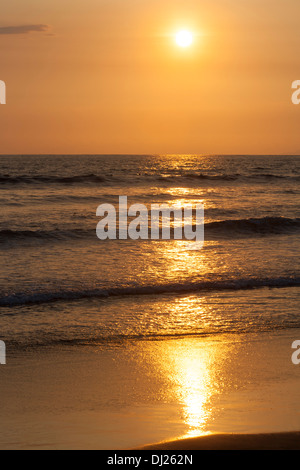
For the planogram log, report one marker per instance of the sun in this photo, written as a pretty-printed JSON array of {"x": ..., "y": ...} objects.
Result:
[{"x": 184, "y": 38}]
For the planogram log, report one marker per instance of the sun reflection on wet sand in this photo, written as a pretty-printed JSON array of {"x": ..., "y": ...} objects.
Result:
[
  {"x": 191, "y": 368},
  {"x": 194, "y": 380}
]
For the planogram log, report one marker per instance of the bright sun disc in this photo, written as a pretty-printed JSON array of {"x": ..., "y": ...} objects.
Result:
[{"x": 184, "y": 38}]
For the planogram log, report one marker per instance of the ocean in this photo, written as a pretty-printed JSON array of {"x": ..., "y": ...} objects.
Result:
[
  {"x": 59, "y": 282},
  {"x": 62, "y": 287}
]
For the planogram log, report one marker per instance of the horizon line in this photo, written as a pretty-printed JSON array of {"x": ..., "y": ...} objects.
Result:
[{"x": 149, "y": 154}]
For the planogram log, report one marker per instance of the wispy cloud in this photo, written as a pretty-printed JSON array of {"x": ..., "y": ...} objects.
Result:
[{"x": 24, "y": 29}]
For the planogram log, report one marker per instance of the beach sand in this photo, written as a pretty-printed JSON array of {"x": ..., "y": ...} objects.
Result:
[
  {"x": 132, "y": 393},
  {"x": 274, "y": 441}
]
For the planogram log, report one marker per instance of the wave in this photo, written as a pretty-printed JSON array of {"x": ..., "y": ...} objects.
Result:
[
  {"x": 39, "y": 179},
  {"x": 264, "y": 225},
  {"x": 11, "y": 235},
  {"x": 232, "y": 227},
  {"x": 221, "y": 177},
  {"x": 138, "y": 178},
  {"x": 198, "y": 176},
  {"x": 244, "y": 178},
  {"x": 19, "y": 299}
]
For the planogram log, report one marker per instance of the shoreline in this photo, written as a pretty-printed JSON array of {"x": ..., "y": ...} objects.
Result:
[
  {"x": 236, "y": 392},
  {"x": 266, "y": 441}
]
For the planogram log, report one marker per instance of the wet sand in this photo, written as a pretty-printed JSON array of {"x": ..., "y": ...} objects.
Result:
[{"x": 130, "y": 394}]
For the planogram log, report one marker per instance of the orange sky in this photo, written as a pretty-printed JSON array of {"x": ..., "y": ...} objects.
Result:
[{"x": 105, "y": 76}]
